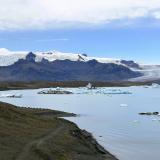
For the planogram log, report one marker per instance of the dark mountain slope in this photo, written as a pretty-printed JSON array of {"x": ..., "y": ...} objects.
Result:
[{"x": 64, "y": 70}]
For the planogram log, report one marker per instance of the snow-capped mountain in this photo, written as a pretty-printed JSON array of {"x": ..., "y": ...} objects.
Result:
[
  {"x": 57, "y": 66},
  {"x": 10, "y": 57},
  {"x": 127, "y": 69}
]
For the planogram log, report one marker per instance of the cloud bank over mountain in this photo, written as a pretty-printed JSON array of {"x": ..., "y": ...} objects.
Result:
[{"x": 40, "y": 14}]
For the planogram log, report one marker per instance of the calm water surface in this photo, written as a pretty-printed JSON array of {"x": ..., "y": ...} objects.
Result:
[{"x": 121, "y": 130}]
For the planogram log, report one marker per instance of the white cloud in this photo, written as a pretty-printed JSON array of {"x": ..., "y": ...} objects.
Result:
[{"x": 42, "y": 14}]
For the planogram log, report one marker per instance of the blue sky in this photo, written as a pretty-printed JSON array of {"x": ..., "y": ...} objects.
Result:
[
  {"x": 128, "y": 29},
  {"x": 140, "y": 44}
]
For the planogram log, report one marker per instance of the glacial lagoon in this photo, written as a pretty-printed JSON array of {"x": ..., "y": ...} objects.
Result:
[{"x": 110, "y": 114}]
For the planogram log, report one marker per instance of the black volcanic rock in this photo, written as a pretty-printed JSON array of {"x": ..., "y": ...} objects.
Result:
[
  {"x": 64, "y": 70},
  {"x": 92, "y": 62},
  {"x": 31, "y": 57},
  {"x": 45, "y": 61},
  {"x": 84, "y": 55},
  {"x": 131, "y": 64},
  {"x": 80, "y": 58}
]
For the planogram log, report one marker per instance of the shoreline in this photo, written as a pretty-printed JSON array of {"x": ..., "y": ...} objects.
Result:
[
  {"x": 31, "y": 132},
  {"x": 72, "y": 84}
]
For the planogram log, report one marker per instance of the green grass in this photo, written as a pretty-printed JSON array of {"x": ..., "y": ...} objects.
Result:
[{"x": 38, "y": 134}]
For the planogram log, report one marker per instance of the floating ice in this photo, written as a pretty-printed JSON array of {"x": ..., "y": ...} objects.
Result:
[
  {"x": 136, "y": 121},
  {"x": 100, "y": 90},
  {"x": 155, "y": 85},
  {"x": 123, "y": 105},
  {"x": 11, "y": 96}
]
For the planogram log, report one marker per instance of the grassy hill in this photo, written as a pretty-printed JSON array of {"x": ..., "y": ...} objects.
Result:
[{"x": 38, "y": 134}]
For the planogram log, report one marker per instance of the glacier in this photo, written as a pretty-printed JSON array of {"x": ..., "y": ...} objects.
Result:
[
  {"x": 150, "y": 72},
  {"x": 8, "y": 57}
]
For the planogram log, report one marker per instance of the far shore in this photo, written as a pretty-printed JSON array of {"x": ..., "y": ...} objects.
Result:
[{"x": 73, "y": 84}]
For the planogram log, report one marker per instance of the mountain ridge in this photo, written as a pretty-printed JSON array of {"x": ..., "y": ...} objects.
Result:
[
  {"x": 29, "y": 69},
  {"x": 10, "y": 57}
]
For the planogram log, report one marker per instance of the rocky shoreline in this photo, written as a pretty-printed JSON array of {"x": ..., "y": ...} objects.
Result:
[{"x": 39, "y": 134}]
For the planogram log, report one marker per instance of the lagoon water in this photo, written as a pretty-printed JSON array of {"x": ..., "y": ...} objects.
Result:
[{"x": 112, "y": 119}]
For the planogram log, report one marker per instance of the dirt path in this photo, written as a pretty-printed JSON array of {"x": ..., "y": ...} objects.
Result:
[{"x": 27, "y": 148}]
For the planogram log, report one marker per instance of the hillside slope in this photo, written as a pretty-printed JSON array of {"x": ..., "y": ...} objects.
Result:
[{"x": 38, "y": 134}]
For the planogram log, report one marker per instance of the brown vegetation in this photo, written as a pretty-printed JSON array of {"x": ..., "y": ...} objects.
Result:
[{"x": 38, "y": 134}]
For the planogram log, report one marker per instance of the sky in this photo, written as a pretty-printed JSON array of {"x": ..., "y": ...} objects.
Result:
[{"x": 127, "y": 29}]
